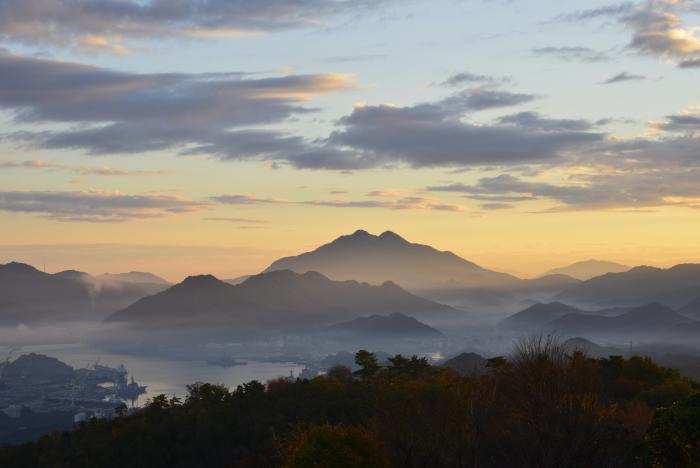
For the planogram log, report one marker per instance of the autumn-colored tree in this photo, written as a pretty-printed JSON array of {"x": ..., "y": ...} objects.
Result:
[
  {"x": 674, "y": 435},
  {"x": 335, "y": 447}
]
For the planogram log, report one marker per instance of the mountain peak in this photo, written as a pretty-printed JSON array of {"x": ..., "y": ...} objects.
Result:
[
  {"x": 201, "y": 280},
  {"x": 391, "y": 236},
  {"x": 17, "y": 267},
  {"x": 360, "y": 233},
  {"x": 374, "y": 259}
]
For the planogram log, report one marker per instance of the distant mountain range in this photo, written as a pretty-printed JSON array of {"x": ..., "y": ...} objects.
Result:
[
  {"x": 395, "y": 325},
  {"x": 28, "y": 295},
  {"x": 375, "y": 259},
  {"x": 692, "y": 309},
  {"x": 674, "y": 287},
  {"x": 276, "y": 299},
  {"x": 651, "y": 318},
  {"x": 137, "y": 277},
  {"x": 567, "y": 320},
  {"x": 588, "y": 269},
  {"x": 538, "y": 316},
  {"x": 590, "y": 348}
]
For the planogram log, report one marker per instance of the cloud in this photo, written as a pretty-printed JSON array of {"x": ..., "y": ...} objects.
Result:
[
  {"x": 82, "y": 170},
  {"x": 110, "y": 112},
  {"x": 96, "y": 206},
  {"x": 234, "y": 220},
  {"x": 102, "y": 111},
  {"x": 687, "y": 122},
  {"x": 496, "y": 206},
  {"x": 385, "y": 193},
  {"x": 239, "y": 199},
  {"x": 624, "y": 76},
  {"x": 535, "y": 121},
  {"x": 594, "y": 13},
  {"x": 656, "y": 27},
  {"x": 467, "y": 78},
  {"x": 659, "y": 32},
  {"x": 112, "y": 25},
  {"x": 572, "y": 54},
  {"x": 434, "y": 135},
  {"x": 401, "y": 203},
  {"x": 695, "y": 63},
  {"x": 630, "y": 185},
  {"x": 404, "y": 203}
]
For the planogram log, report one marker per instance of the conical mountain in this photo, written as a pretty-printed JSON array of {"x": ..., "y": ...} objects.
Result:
[{"x": 389, "y": 257}]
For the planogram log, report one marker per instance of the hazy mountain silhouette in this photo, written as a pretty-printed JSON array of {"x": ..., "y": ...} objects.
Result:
[
  {"x": 674, "y": 287},
  {"x": 374, "y": 259},
  {"x": 237, "y": 280},
  {"x": 386, "y": 326},
  {"x": 275, "y": 299},
  {"x": 650, "y": 318},
  {"x": 466, "y": 363},
  {"x": 538, "y": 315},
  {"x": 588, "y": 269},
  {"x": 138, "y": 277},
  {"x": 692, "y": 309},
  {"x": 28, "y": 295},
  {"x": 590, "y": 348}
]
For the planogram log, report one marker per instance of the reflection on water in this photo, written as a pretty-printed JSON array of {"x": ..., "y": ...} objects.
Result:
[{"x": 169, "y": 377}]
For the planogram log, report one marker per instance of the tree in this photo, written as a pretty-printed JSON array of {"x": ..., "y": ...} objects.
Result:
[
  {"x": 335, "y": 447},
  {"x": 341, "y": 373},
  {"x": 411, "y": 366},
  {"x": 674, "y": 436},
  {"x": 367, "y": 362}
]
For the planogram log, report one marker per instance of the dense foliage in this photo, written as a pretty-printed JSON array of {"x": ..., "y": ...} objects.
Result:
[{"x": 540, "y": 407}]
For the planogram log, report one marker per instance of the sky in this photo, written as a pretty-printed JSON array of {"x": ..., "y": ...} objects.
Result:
[{"x": 214, "y": 136}]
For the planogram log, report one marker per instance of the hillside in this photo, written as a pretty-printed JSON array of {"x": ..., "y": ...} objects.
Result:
[
  {"x": 674, "y": 287},
  {"x": 466, "y": 364},
  {"x": 389, "y": 326},
  {"x": 275, "y": 299},
  {"x": 537, "y": 316},
  {"x": 138, "y": 277},
  {"x": 403, "y": 414},
  {"x": 588, "y": 269},
  {"x": 691, "y": 309},
  {"x": 374, "y": 259},
  {"x": 650, "y": 318},
  {"x": 28, "y": 295}
]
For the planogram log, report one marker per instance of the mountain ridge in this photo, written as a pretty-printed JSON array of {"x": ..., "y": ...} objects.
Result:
[
  {"x": 377, "y": 258},
  {"x": 280, "y": 297}
]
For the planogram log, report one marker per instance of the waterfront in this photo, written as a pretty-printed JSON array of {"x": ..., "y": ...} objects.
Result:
[{"x": 160, "y": 375}]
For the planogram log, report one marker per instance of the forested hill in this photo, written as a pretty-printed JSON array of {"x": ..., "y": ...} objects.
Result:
[{"x": 540, "y": 407}]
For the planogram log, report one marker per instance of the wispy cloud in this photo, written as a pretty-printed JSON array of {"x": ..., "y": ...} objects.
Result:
[
  {"x": 572, "y": 54},
  {"x": 240, "y": 199},
  {"x": 96, "y": 206},
  {"x": 82, "y": 170},
  {"x": 467, "y": 78},
  {"x": 403, "y": 203},
  {"x": 396, "y": 203},
  {"x": 656, "y": 26},
  {"x": 121, "y": 112},
  {"x": 624, "y": 76},
  {"x": 97, "y": 26}
]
